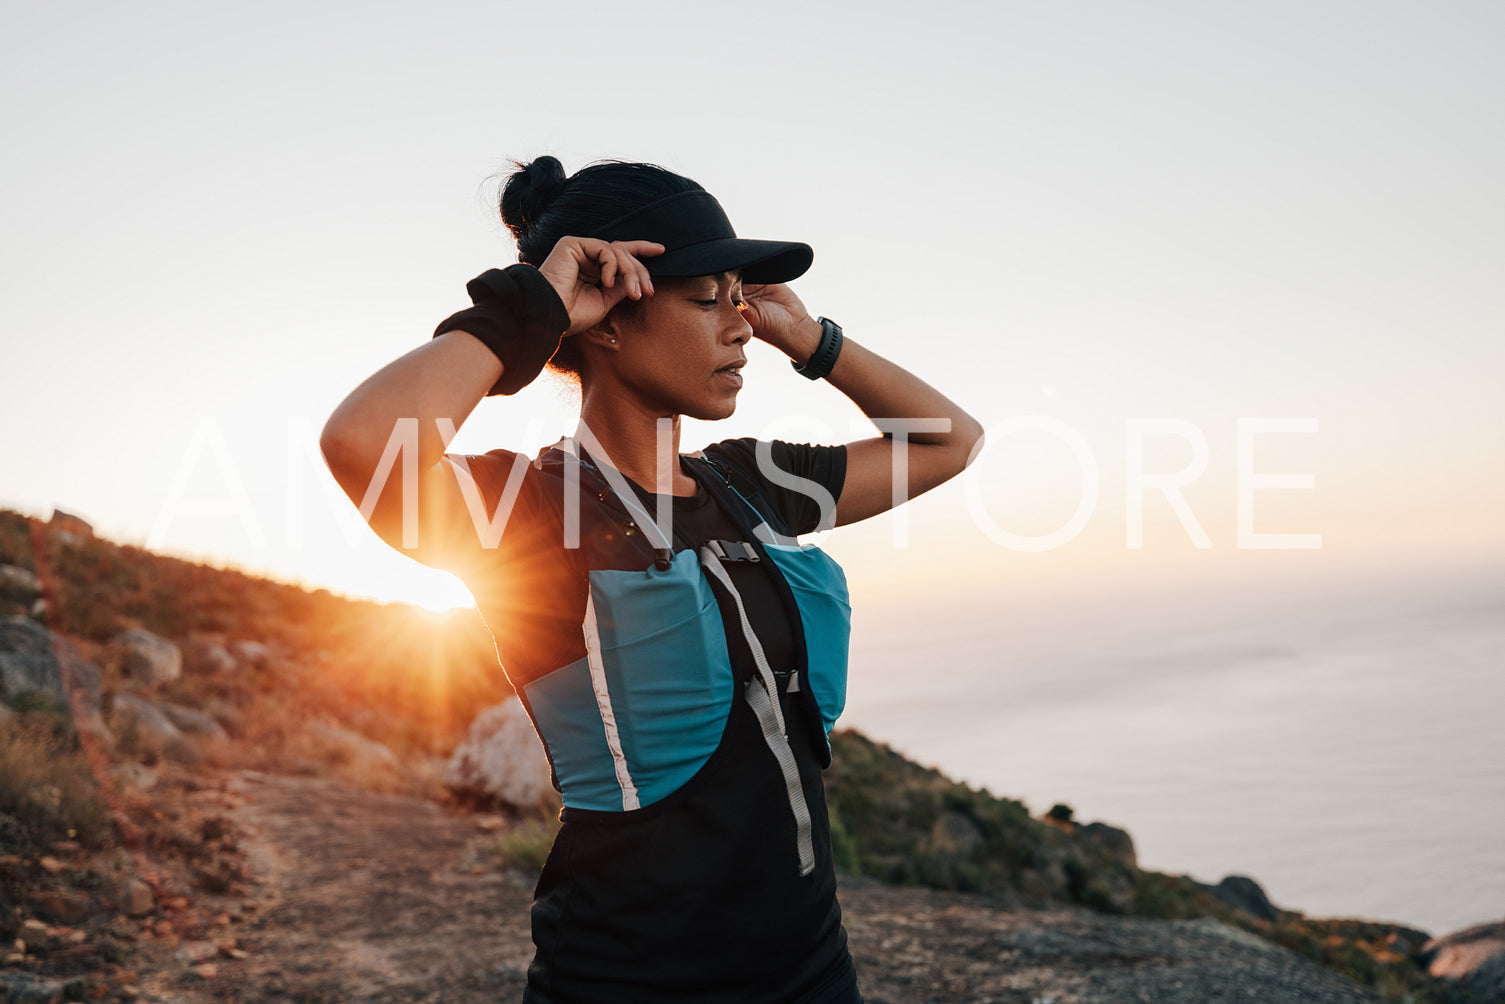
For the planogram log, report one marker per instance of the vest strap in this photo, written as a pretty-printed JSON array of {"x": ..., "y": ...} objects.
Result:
[{"x": 762, "y": 693}]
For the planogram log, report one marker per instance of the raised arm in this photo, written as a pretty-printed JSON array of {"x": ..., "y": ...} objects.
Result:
[
  {"x": 438, "y": 384},
  {"x": 888, "y": 394},
  {"x": 398, "y": 405}
]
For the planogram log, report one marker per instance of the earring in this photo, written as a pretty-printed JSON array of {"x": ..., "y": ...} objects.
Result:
[{"x": 613, "y": 341}]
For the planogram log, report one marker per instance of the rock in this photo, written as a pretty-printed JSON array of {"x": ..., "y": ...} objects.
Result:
[
  {"x": 143, "y": 658},
  {"x": 955, "y": 834},
  {"x": 1462, "y": 953},
  {"x": 1243, "y": 893},
  {"x": 226, "y": 714},
  {"x": 45, "y": 662},
  {"x": 353, "y": 747},
  {"x": 27, "y": 661},
  {"x": 1487, "y": 982},
  {"x": 134, "y": 774},
  {"x": 24, "y": 988},
  {"x": 134, "y": 898},
  {"x": 251, "y": 654},
  {"x": 143, "y": 729},
  {"x": 205, "y": 657},
  {"x": 19, "y": 585},
  {"x": 81, "y": 682},
  {"x": 62, "y": 906},
  {"x": 192, "y": 720},
  {"x": 66, "y": 522},
  {"x": 1116, "y": 842},
  {"x": 81, "y": 679},
  {"x": 192, "y": 952},
  {"x": 501, "y": 759}
]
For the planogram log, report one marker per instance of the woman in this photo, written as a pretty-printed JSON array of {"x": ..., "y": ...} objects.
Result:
[{"x": 681, "y": 655}]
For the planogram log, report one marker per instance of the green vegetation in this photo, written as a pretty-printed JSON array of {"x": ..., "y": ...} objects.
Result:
[
  {"x": 899, "y": 822},
  {"x": 525, "y": 846}
]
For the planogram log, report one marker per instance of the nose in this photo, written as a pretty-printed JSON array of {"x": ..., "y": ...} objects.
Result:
[{"x": 739, "y": 331}]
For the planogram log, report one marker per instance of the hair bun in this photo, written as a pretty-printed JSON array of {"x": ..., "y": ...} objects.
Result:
[{"x": 528, "y": 192}]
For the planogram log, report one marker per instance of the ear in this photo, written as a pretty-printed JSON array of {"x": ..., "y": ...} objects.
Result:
[{"x": 606, "y": 334}]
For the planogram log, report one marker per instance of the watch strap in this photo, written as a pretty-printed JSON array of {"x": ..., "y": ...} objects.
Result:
[{"x": 824, "y": 357}]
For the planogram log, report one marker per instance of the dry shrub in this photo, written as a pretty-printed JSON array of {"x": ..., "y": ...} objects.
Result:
[{"x": 46, "y": 785}]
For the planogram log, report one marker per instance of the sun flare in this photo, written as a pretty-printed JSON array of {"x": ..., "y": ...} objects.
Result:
[{"x": 424, "y": 587}]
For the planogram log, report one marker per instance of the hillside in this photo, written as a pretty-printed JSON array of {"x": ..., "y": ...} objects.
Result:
[{"x": 136, "y": 856}]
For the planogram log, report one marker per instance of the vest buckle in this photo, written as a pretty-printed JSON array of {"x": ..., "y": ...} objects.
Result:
[{"x": 733, "y": 550}]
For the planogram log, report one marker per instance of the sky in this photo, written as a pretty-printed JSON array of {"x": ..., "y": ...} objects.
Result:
[
  {"x": 1183, "y": 225},
  {"x": 223, "y": 219}
]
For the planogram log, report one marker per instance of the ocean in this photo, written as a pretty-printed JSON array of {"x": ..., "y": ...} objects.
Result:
[{"x": 1338, "y": 738}]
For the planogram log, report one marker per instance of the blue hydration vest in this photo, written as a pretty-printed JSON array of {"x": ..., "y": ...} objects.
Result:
[{"x": 647, "y": 706}]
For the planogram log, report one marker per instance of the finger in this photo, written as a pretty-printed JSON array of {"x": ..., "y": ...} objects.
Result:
[
  {"x": 634, "y": 273},
  {"x": 608, "y": 259},
  {"x": 644, "y": 277},
  {"x": 642, "y": 249}
]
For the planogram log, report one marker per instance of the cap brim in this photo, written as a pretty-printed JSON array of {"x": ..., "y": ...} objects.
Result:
[{"x": 759, "y": 261}]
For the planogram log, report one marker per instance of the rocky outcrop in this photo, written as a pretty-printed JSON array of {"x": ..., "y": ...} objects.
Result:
[
  {"x": 144, "y": 659},
  {"x": 1463, "y": 953},
  {"x": 1243, "y": 893},
  {"x": 66, "y": 522},
  {"x": 206, "y": 656},
  {"x": 144, "y": 730},
  {"x": 27, "y": 661},
  {"x": 192, "y": 720},
  {"x": 19, "y": 585},
  {"x": 48, "y": 664},
  {"x": 501, "y": 760},
  {"x": 1486, "y": 984},
  {"x": 353, "y": 748},
  {"x": 1116, "y": 842},
  {"x": 251, "y": 654}
]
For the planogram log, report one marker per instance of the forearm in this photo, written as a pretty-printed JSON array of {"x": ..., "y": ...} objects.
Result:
[
  {"x": 445, "y": 377},
  {"x": 885, "y": 390}
]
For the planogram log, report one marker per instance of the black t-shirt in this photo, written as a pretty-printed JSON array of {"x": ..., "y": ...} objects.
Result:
[{"x": 697, "y": 896}]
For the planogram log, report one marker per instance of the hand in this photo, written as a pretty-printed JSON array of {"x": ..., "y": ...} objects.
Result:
[
  {"x": 779, "y": 318},
  {"x": 593, "y": 276}
]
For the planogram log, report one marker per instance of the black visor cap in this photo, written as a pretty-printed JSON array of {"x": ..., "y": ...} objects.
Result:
[{"x": 698, "y": 239}]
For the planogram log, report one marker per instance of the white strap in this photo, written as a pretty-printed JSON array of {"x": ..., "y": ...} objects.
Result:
[
  {"x": 604, "y": 708},
  {"x": 762, "y": 694}
]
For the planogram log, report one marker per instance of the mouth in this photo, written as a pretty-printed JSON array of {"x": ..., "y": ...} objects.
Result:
[{"x": 732, "y": 372}]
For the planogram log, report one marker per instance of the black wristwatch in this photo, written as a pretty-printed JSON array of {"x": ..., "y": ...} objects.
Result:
[{"x": 824, "y": 357}]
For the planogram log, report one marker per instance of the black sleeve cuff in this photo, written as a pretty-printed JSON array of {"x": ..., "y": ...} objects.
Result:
[{"x": 518, "y": 316}]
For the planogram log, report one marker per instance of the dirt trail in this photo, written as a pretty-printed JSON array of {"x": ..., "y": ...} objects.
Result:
[
  {"x": 362, "y": 897},
  {"x": 368, "y": 897}
]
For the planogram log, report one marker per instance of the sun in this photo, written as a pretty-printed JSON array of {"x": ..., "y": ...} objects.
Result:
[{"x": 424, "y": 587}]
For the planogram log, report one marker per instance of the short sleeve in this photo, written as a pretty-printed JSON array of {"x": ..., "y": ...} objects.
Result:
[
  {"x": 799, "y": 479},
  {"x": 507, "y": 488}
]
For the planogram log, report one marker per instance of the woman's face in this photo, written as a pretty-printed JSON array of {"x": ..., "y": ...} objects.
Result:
[{"x": 681, "y": 349}]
